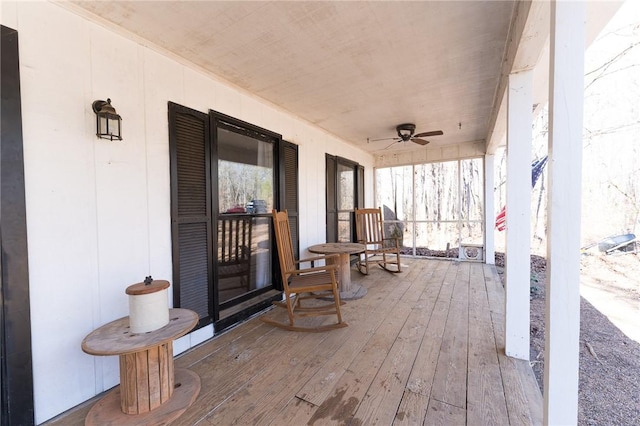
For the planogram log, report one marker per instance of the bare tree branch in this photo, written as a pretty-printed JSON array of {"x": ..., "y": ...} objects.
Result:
[
  {"x": 610, "y": 130},
  {"x": 604, "y": 67}
]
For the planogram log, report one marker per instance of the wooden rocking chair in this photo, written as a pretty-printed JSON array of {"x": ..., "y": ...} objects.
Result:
[
  {"x": 300, "y": 284},
  {"x": 378, "y": 249}
]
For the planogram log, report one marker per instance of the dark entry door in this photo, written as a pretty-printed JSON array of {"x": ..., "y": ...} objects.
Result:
[{"x": 345, "y": 192}]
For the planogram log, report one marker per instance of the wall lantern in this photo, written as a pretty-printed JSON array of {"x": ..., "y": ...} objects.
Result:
[{"x": 108, "y": 122}]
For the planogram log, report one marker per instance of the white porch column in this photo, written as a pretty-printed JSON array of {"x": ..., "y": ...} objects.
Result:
[
  {"x": 489, "y": 210},
  {"x": 566, "y": 97},
  {"x": 518, "y": 237}
]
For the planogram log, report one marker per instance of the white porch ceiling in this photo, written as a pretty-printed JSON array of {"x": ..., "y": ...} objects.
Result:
[{"x": 356, "y": 69}]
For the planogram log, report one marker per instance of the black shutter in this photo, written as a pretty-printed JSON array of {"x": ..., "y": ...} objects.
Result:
[
  {"x": 360, "y": 187},
  {"x": 289, "y": 190},
  {"x": 359, "y": 198},
  {"x": 191, "y": 231},
  {"x": 332, "y": 204},
  {"x": 16, "y": 374}
]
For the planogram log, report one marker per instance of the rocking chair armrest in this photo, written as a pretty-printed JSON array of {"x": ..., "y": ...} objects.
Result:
[
  {"x": 319, "y": 257},
  {"x": 394, "y": 239},
  {"x": 314, "y": 269}
]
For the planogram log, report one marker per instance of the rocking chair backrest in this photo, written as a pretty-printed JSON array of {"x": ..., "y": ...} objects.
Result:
[
  {"x": 370, "y": 232},
  {"x": 285, "y": 246},
  {"x": 369, "y": 226}
]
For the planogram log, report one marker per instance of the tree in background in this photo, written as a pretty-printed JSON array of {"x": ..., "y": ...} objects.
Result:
[{"x": 611, "y": 138}]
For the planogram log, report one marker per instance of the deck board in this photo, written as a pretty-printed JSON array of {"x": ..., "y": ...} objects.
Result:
[
  {"x": 524, "y": 402},
  {"x": 485, "y": 393},
  {"x": 440, "y": 413},
  {"x": 380, "y": 404},
  {"x": 322, "y": 383},
  {"x": 424, "y": 346},
  {"x": 357, "y": 380},
  {"x": 421, "y": 377},
  {"x": 295, "y": 377},
  {"x": 450, "y": 380},
  {"x": 412, "y": 409}
]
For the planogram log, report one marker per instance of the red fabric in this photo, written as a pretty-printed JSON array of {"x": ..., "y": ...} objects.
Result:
[
  {"x": 536, "y": 171},
  {"x": 501, "y": 219}
]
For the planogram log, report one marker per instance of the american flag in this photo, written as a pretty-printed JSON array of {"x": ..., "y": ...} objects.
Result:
[{"x": 536, "y": 170}]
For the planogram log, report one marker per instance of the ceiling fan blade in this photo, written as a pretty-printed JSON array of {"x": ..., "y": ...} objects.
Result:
[
  {"x": 391, "y": 144},
  {"x": 419, "y": 141},
  {"x": 384, "y": 139},
  {"x": 427, "y": 134}
]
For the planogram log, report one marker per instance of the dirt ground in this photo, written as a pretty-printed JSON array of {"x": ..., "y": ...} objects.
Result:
[{"x": 609, "y": 385}]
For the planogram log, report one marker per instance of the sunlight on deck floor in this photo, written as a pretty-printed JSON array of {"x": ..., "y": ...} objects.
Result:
[{"x": 422, "y": 347}]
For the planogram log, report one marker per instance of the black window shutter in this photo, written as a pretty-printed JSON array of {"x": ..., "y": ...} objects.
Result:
[
  {"x": 16, "y": 374},
  {"x": 332, "y": 204},
  {"x": 360, "y": 187},
  {"x": 289, "y": 190},
  {"x": 359, "y": 198},
  {"x": 191, "y": 231}
]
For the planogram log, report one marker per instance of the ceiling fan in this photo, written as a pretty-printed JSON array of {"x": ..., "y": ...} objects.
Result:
[{"x": 405, "y": 134}]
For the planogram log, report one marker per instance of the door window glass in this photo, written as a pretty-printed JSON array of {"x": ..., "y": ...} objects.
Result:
[{"x": 245, "y": 198}]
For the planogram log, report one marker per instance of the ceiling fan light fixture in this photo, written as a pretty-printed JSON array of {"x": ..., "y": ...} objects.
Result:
[{"x": 405, "y": 131}]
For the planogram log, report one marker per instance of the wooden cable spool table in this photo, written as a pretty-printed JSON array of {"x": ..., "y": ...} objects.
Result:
[
  {"x": 150, "y": 391},
  {"x": 348, "y": 290}
]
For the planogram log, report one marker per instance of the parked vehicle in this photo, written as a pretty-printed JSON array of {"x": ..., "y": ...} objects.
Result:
[{"x": 257, "y": 206}]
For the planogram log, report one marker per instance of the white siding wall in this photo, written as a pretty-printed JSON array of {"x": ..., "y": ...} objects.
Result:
[{"x": 98, "y": 211}]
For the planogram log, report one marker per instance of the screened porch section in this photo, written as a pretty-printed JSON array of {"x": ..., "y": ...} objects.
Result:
[{"x": 436, "y": 208}]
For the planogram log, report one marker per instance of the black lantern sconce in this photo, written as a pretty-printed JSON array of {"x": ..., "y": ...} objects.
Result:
[{"x": 108, "y": 122}]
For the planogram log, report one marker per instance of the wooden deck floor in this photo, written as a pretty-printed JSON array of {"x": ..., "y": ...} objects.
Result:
[{"x": 422, "y": 347}]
